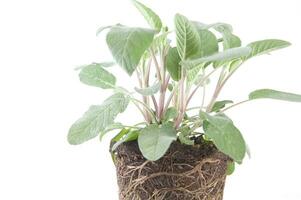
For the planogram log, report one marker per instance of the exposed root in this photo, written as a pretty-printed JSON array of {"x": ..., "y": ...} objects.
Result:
[{"x": 183, "y": 173}]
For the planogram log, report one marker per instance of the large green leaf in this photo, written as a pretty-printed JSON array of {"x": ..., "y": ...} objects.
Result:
[
  {"x": 266, "y": 46},
  {"x": 188, "y": 39},
  {"x": 173, "y": 64},
  {"x": 95, "y": 75},
  {"x": 274, "y": 94},
  {"x": 97, "y": 118},
  {"x": 224, "y": 56},
  {"x": 149, "y": 90},
  {"x": 155, "y": 140},
  {"x": 127, "y": 45},
  {"x": 150, "y": 16},
  {"x": 226, "y": 137}
]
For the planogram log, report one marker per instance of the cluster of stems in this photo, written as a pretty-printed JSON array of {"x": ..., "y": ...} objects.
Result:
[{"x": 181, "y": 93}]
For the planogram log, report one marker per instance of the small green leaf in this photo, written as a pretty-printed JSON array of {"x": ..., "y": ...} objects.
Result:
[
  {"x": 226, "y": 55},
  {"x": 230, "y": 168},
  {"x": 127, "y": 45},
  {"x": 170, "y": 114},
  {"x": 155, "y": 140},
  {"x": 229, "y": 39},
  {"x": 173, "y": 64},
  {"x": 235, "y": 64},
  {"x": 274, "y": 94},
  {"x": 110, "y": 128},
  {"x": 185, "y": 140},
  {"x": 150, "y": 16},
  {"x": 226, "y": 137},
  {"x": 188, "y": 39},
  {"x": 192, "y": 74},
  {"x": 97, "y": 118},
  {"x": 209, "y": 44},
  {"x": 149, "y": 90},
  {"x": 120, "y": 135},
  {"x": 266, "y": 46},
  {"x": 127, "y": 137},
  {"x": 220, "y": 105},
  {"x": 95, "y": 75}
]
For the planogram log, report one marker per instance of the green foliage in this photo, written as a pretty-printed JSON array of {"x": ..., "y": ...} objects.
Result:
[
  {"x": 95, "y": 75},
  {"x": 177, "y": 74},
  {"x": 218, "y": 105},
  {"x": 227, "y": 138},
  {"x": 150, "y": 16},
  {"x": 266, "y": 46},
  {"x": 127, "y": 45},
  {"x": 97, "y": 119},
  {"x": 155, "y": 140},
  {"x": 110, "y": 128},
  {"x": 274, "y": 94},
  {"x": 173, "y": 66},
  {"x": 227, "y": 55},
  {"x": 188, "y": 39},
  {"x": 125, "y": 135},
  {"x": 171, "y": 113},
  {"x": 230, "y": 168}
]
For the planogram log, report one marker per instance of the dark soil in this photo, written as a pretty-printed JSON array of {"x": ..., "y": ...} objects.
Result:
[{"x": 184, "y": 173}]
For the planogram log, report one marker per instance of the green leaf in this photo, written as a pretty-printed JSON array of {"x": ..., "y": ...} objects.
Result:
[
  {"x": 226, "y": 137},
  {"x": 173, "y": 64},
  {"x": 218, "y": 105},
  {"x": 120, "y": 135},
  {"x": 127, "y": 45},
  {"x": 150, "y": 16},
  {"x": 170, "y": 114},
  {"x": 129, "y": 136},
  {"x": 235, "y": 64},
  {"x": 95, "y": 75},
  {"x": 266, "y": 46},
  {"x": 97, "y": 118},
  {"x": 110, "y": 128},
  {"x": 188, "y": 39},
  {"x": 274, "y": 94},
  {"x": 102, "y": 64},
  {"x": 149, "y": 90},
  {"x": 226, "y": 55},
  {"x": 229, "y": 39},
  {"x": 155, "y": 140},
  {"x": 230, "y": 168},
  {"x": 192, "y": 74},
  {"x": 185, "y": 140},
  {"x": 209, "y": 44}
]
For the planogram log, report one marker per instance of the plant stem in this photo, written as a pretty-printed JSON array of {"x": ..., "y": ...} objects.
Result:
[
  {"x": 145, "y": 100},
  {"x": 217, "y": 90},
  {"x": 170, "y": 98},
  {"x": 199, "y": 85},
  {"x": 156, "y": 65},
  {"x": 145, "y": 106},
  {"x": 182, "y": 100}
]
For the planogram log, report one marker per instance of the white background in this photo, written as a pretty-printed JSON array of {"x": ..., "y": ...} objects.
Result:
[{"x": 41, "y": 42}]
